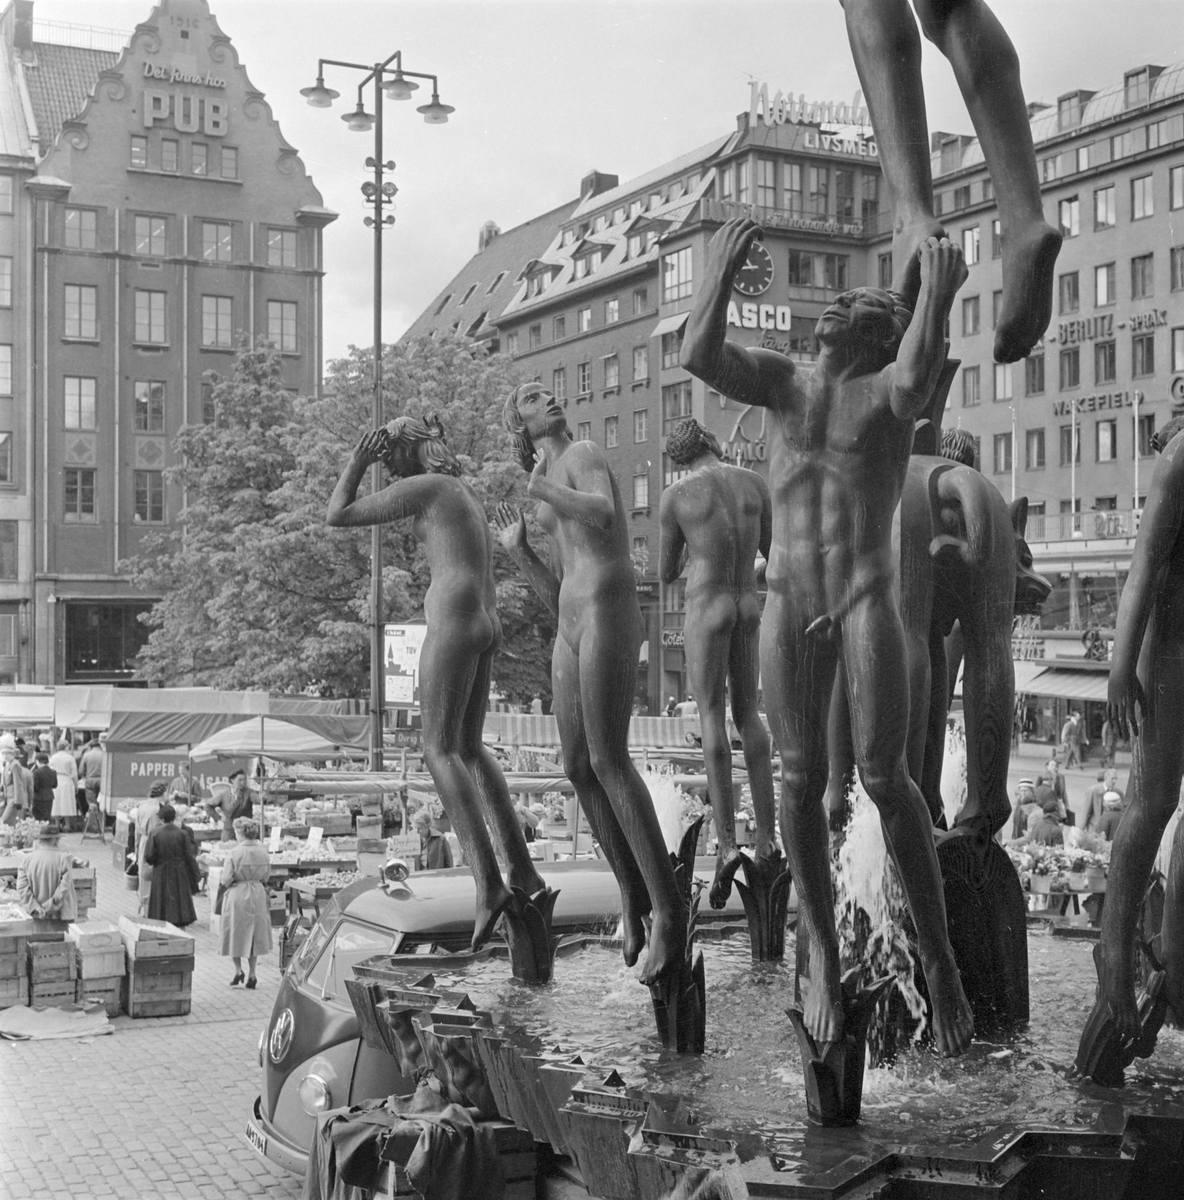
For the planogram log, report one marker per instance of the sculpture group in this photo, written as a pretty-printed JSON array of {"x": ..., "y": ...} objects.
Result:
[{"x": 854, "y": 607}]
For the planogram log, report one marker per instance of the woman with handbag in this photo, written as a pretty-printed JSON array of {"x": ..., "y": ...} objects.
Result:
[{"x": 246, "y": 918}]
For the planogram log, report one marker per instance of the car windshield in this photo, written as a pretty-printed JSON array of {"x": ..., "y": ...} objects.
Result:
[{"x": 350, "y": 944}]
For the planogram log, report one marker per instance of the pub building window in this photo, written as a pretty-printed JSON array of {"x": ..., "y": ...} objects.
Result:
[
  {"x": 1105, "y": 363},
  {"x": 81, "y": 311},
  {"x": 1034, "y": 449},
  {"x": 1142, "y": 198},
  {"x": 148, "y": 489},
  {"x": 1104, "y": 285},
  {"x": 281, "y": 248},
  {"x": 102, "y": 640},
  {"x": 1176, "y": 187},
  {"x": 641, "y": 363},
  {"x": 5, "y": 282},
  {"x": 139, "y": 151},
  {"x": 216, "y": 320},
  {"x": 1070, "y": 367},
  {"x": 559, "y": 383},
  {"x": 1034, "y": 375},
  {"x": 534, "y": 337},
  {"x": 6, "y": 458},
  {"x": 676, "y": 404},
  {"x": 1144, "y": 431},
  {"x": 1142, "y": 276},
  {"x": 612, "y": 432},
  {"x": 5, "y": 369},
  {"x": 1002, "y": 453},
  {"x": 1068, "y": 292},
  {"x": 1105, "y": 210},
  {"x": 612, "y": 311},
  {"x": 216, "y": 245},
  {"x": 5, "y": 193},
  {"x": 8, "y": 549},
  {"x": 970, "y": 316},
  {"x": 79, "y": 402},
  {"x": 1070, "y": 437},
  {"x": 677, "y": 280},
  {"x": 1069, "y": 213},
  {"x": 80, "y": 231},
  {"x": 641, "y": 544},
  {"x": 1003, "y": 388},
  {"x": 791, "y": 188},
  {"x": 726, "y": 184},
  {"x": 641, "y": 490},
  {"x": 512, "y": 342},
  {"x": 149, "y": 402},
  {"x": 970, "y": 387},
  {"x": 1105, "y": 440},
  {"x": 149, "y": 318},
  {"x": 671, "y": 349},
  {"x": 583, "y": 320},
  {"x": 1083, "y": 158},
  {"x": 583, "y": 378},
  {"x": 583, "y": 431},
  {"x": 996, "y": 238},
  {"x": 79, "y": 494},
  {"x": 641, "y": 425},
  {"x": 229, "y": 162},
  {"x": 641, "y": 300},
  {"x": 559, "y": 328},
  {"x": 612, "y": 372},
  {"x": 1177, "y": 265},
  {"x": 800, "y": 271},
  {"x": 169, "y": 156},
  {"x": 1142, "y": 355},
  {"x": 970, "y": 245},
  {"x": 199, "y": 158},
  {"x": 150, "y": 236}
]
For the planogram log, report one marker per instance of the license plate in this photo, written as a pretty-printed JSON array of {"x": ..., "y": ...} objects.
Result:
[{"x": 258, "y": 1140}]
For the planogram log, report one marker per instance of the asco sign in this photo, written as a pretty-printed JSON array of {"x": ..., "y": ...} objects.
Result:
[{"x": 759, "y": 316}]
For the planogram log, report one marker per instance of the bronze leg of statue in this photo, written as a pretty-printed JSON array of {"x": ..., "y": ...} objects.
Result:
[{"x": 744, "y": 674}]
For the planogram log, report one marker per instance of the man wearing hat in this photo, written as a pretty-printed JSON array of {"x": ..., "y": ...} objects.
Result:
[
  {"x": 1046, "y": 828},
  {"x": 1025, "y": 806},
  {"x": 147, "y": 818},
  {"x": 16, "y": 783},
  {"x": 43, "y": 884},
  {"x": 1111, "y": 814}
]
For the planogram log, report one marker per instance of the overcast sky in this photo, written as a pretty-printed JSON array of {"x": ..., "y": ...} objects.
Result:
[{"x": 545, "y": 90}]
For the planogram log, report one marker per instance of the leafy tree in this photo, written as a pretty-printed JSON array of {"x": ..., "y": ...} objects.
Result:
[{"x": 256, "y": 590}]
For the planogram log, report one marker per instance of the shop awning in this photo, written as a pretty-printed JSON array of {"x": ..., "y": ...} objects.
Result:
[
  {"x": 1070, "y": 684},
  {"x": 670, "y": 324},
  {"x": 19, "y": 707}
]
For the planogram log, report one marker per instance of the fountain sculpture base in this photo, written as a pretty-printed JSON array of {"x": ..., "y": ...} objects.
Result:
[
  {"x": 765, "y": 895},
  {"x": 528, "y": 933}
]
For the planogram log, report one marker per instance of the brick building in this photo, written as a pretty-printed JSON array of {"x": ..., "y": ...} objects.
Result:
[{"x": 151, "y": 217}]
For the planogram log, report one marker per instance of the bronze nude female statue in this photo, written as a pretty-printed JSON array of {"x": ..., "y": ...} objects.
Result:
[{"x": 463, "y": 635}]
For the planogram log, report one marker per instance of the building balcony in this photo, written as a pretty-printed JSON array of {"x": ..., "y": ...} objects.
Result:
[{"x": 1084, "y": 526}]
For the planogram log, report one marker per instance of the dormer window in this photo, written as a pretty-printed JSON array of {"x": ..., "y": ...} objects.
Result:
[
  {"x": 538, "y": 276},
  {"x": 1136, "y": 85}
]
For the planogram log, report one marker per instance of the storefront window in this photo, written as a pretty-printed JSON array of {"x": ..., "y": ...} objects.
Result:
[{"x": 102, "y": 640}]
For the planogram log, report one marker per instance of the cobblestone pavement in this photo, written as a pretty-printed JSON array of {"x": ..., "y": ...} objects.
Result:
[{"x": 158, "y": 1107}]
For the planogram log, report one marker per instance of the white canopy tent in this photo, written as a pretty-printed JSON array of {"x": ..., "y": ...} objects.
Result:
[{"x": 271, "y": 738}]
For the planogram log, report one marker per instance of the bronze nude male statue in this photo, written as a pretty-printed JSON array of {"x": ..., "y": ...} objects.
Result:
[
  {"x": 887, "y": 52},
  {"x": 839, "y": 451},
  {"x": 1147, "y": 693},
  {"x": 463, "y": 635},
  {"x": 588, "y": 583},
  {"x": 718, "y": 516}
]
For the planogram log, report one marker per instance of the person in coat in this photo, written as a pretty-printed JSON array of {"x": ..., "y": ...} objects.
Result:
[
  {"x": 65, "y": 807},
  {"x": 171, "y": 853},
  {"x": 16, "y": 784},
  {"x": 232, "y": 800},
  {"x": 43, "y": 883},
  {"x": 434, "y": 851},
  {"x": 146, "y": 819},
  {"x": 45, "y": 782},
  {"x": 246, "y": 919}
]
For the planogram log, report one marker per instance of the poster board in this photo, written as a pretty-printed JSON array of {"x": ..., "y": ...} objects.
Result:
[{"x": 402, "y": 645}]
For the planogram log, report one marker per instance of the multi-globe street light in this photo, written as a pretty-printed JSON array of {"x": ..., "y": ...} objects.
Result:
[{"x": 393, "y": 83}]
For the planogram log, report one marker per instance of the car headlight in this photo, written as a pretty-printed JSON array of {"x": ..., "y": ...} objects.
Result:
[
  {"x": 314, "y": 1094},
  {"x": 281, "y": 1035}
]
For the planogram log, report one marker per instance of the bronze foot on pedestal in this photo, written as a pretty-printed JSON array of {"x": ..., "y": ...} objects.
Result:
[
  {"x": 834, "y": 1070},
  {"x": 1103, "y": 1052},
  {"x": 528, "y": 932},
  {"x": 765, "y": 895}
]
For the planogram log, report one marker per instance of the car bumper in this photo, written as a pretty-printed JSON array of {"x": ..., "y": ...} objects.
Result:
[{"x": 269, "y": 1145}]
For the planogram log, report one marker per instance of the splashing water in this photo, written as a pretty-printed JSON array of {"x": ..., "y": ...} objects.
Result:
[
  {"x": 954, "y": 788},
  {"x": 670, "y": 803}
]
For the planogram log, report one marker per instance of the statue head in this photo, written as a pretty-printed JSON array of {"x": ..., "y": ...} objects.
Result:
[
  {"x": 688, "y": 441},
  {"x": 960, "y": 445},
  {"x": 872, "y": 320},
  {"x": 1160, "y": 439},
  {"x": 416, "y": 446},
  {"x": 532, "y": 412}
]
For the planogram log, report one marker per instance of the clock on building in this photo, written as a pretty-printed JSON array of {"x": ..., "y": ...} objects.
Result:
[{"x": 757, "y": 273}]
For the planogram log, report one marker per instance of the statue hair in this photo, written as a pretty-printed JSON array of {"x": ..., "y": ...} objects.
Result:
[
  {"x": 959, "y": 445},
  {"x": 688, "y": 440},
  {"x": 515, "y": 426},
  {"x": 1160, "y": 439},
  {"x": 425, "y": 436}
]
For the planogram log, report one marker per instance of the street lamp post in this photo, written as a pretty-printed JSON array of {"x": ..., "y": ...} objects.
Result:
[{"x": 395, "y": 84}]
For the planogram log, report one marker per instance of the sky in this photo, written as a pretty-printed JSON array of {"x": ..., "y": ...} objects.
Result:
[{"x": 546, "y": 90}]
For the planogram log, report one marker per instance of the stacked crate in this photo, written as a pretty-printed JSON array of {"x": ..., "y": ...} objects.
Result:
[
  {"x": 14, "y": 979},
  {"x": 83, "y": 879},
  {"x": 159, "y": 979},
  {"x": 53, "y": 971},
  {"x": 101, "y": 967}
]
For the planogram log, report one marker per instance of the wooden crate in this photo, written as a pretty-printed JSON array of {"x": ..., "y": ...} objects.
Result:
[
  {"x": 157, "y": 987},
  {"x": 154, "y": 939},
  {"x": 52, "y": 995},
  {"x": 101, "y": 964},
  {"x": 15, "y": 945},
  {"x": 94, "y": 935},
  {"x": 14, "y": 991},
  {"x": 14, "y": 965},
  {"x": 52, "y": 962},
  {"x": 102, "y": 991}
]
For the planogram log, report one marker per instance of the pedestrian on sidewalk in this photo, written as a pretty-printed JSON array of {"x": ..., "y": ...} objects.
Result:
[
  {"x": 44, "y": 886},
  {"x": 172, "y": 854},
  {"x": 246, "y": 918},
  {"x": 65, "y": 807},
  {"x": 1071, "y": 740}
]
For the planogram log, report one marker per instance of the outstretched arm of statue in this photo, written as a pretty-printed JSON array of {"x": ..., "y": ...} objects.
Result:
[
  {"x": 510, "y": 524},
  {"x": 1159, "y": 530},
  {"x": 922, "y": 350},
  {"x": 403, "y": 498},
  {"x": 673, "y": 541},
  {"x": 591, "y": 501},
  {"x": 747, "y": 376}
]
